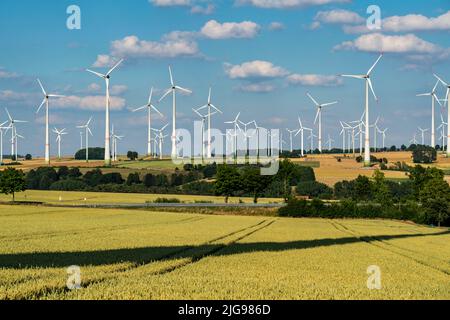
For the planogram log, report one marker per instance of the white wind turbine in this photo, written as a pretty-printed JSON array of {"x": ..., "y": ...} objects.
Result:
[
  {"x": 319, "y": 116},
  {"x": 414, "y": 139},
  {"x": 149, "y": 107},
  {"x": 209, "y": 106},
  {"x": 442, "y": 128},
  {"x": 247, "y": 136},
  {"x": 375, "y": 133},
  {"x": 330, "y": 142},
  {"x": 311, "y": 138},
  {"x": 3, "y": 130},
  {"x": 15, "y": 138},
  {"x": 345, "y": 127},
  {"x": 383, "y": 133},
  {"x": 368, "y": 81},
  {"x": 59, "y": 134},
  {"x": 423, "y": 131},
  {"x": 204, "y": 119},
  {"x": 434, "y": 98},
  {"x": 81, "y": 140},
  {"x": 47, "y": 120},
  {"x": 87, "y": 133},
  {"x": 107, "y": 78},
  {"x": 12, "y": 125},
  {"x": 160, "y": 136},
  {"x": 173, "y": 89},
  {"x": 291, "y": 134},
  {"x": 301, "y": 131},
  {"x": 115, "y": 138},
  {"x": 446, "y": 98},
  {"x": 235, "y": 122}
]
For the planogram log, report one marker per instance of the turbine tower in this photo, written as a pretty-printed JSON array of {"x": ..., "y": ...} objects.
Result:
[
  {"x": 59, "y": 133},
  {"x": 423, "y": 131},
  {"x": 319, "y": 116},
  {"x": 173, "y": 89},
  {"x": 47, "y": 133},
  {"x": 235, "y": 122},
  {"x": 209, "y": 106},
  {"x": 3, "y": 130},
  {"x": 107, "y": 78},
  {"x": 291, "y": 133},
  {"x": 367, "y": 79},
  {"x": 448, "y": 110},
  {"x": 87, "y": 133},
  {"x": 301, "y": 131},
  {"x": 12, "y": 125},
  {"x": 434, "y": 98},
  {"x": 160, "y": 136},
  {"x": 149, "y": 106},
  {"x": 204, "y": 119}
]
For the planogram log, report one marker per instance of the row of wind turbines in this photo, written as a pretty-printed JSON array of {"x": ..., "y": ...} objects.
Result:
[{"x": 350, "y": 130}]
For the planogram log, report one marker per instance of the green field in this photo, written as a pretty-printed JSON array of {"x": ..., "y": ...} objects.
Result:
[
  {"x": 147, "y": 255},
  {"x": 76, "y": 198}
]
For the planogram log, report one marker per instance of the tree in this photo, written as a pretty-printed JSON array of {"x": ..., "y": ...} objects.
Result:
[
  {"x": 435, "y": 200},
  {"x": 94, "y": 154},
  {"x": 362, "y": 188},
  {"x": 381, "y": 191},
  {"x": 228, "y": 181},
  {"x": 420, "y": 176},
  {"x": 133, "y": 178},
  {"x": 149, "y": 180},
  {"x": 28, "y": 157},
  {"x": 132, "y": 155},
  {"x": 12, "y": 181},
  {"x": 254, "y": 183},
  {"x": 424, "y": 154},
  {"x": 314, "y": 189}
]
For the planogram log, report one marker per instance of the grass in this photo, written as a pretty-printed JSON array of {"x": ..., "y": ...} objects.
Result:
[
  {"x": 74, "y": 198},
  {"x": 148, "y": 255}
]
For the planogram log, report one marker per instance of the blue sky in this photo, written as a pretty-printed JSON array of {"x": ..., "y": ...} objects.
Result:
[{"x": 260, "y": 57}]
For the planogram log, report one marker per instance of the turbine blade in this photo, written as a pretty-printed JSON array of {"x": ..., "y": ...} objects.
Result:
[
  {"x": 371, "y": 88},
  {"x": 166, "y": 94},
  {"x": 150, "y": 96},
  {"x": 171, "y": 76},
  {"x": 209, "y": 96},
  {"x": 374, "y": 65},
  {"x": 156, "y": 109},
  {"x": 43, "y": 102},
  {"x": 435, "y": 87},
  {"x": 317, "y": 116},
  {"x": 115, "y": 66},
  {"x": 140, "y": 108},
  {"x": 442, "y": 81},
  {"x": 9, "y": 116},
  {"x": 352, "y": 76},
  {"x": 424, "y": 94},
  {"x": 183, "y": 89},
  {"x": 42, "y": 87},
  {"x": 313, "y": 100},
  {"x": 437, "y": 99},
  {"x": 329, "y": 104},
  {"x": 56, "y": 96},
  {"x": 96, "y": 73},
  {"x": 217, "y": 109}
]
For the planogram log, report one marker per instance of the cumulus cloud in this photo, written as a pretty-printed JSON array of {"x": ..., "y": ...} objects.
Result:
[
  {"x": 4, "y": 74},
  {"x": 314, "y": 80},
  {"x": 257, "y": 88},
  {"x": 170, "y": 3},
  {"x": 90, "y": 103},
  {"x": 408, "y": 23},
  {"x": 339, "y": 16},
  {"x": 206, "y": 10},
  {"x": 378, "y": 42},
  {"x": 286, "y": 4},
  {"x": 215, "y": 30},
  {"x": 276, "y": 26},
  {"x": 254, "y": 69}
]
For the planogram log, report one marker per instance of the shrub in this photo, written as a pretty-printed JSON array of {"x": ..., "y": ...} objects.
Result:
[
  {"x": 68, "y": 185},
  {"x": 167, "y": 200},
  {"x": 94, "y": 154},
  {"x": 133, "y": 178},
  {"x": 314, "y": 189}
]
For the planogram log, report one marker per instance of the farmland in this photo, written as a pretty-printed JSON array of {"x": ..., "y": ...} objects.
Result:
[{"x": 149, "y": 255}]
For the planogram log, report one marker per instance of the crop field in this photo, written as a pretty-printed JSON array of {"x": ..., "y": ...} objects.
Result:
[
  {"x": 77, "y": 198},
  {"x": 125, "y": 254}
]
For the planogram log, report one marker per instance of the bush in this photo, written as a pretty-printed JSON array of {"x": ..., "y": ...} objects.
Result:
[
  {"x": 94, "y": 154},
  {"x": 167, "y": 200},
  {"x": 28, "y": 157},
  {"x": 314, "y": 189},
  {"x": 132, "y": 155},
  {"x": 133, "y": 178},
  {"x": 69, "y": 185}
]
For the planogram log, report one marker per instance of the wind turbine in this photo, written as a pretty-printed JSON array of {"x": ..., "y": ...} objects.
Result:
[
  {"x": 87, "y": 133},
  {"x": 15, "y": 138},
  {"x": 319, "y": 116},
  {"x": 311, "y": 138},
  {"x": 383, "y": 132},
  {"x": 47, "y": 133},
  {"x": 115, "y": 137},
  {"x": 235, "y": 122},
  {"x": 423, "y": 131},
  {"x": 209, "y": 106},
  {"x": 301, "y": 131},
  {"x": 375, "y": 133},
  {"x": 149, "y": 106},
  {"x": 291, "y": 133},
  {"x": 434, "y": 98},
  {"x": 204, "y": 118},
  {"x": 330, "y": 142},
  {"x": 448, "y": 109},
  {"x": 442, "y": 128},
  {"x": 345, "y": 127},
  {"x": 246, "y": 135},
  {"x": 160, "y": 136},
  {"x": 173, "y": 89},
  {"x": 367, "y": 79},
  {"x": 414, "y": 139},
  {"x": 2, "y": 131},
  {"x": 81, "y": 140},
  {"x": 12, "y": 125},
  {"x": 59, "y": 133},
  {"x": 107, "y": 78}
]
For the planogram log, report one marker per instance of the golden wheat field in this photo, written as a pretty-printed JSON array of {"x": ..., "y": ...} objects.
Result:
[{"x": 125, "y": 254}]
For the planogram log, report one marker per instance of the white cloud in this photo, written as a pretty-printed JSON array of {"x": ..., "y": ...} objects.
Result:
[
  {"x": 338, "y": 16},
  {"x": 91, "y": 103},
  {"x": 215, "y": 30},
  {"x": 207, "y": 10},
  {"x": 4, "y": 74},
  {"x": 119, "y": 89},
  {"x": 378, "y": 42},
  {"x": 314, "y": 80},
  {"x": 257, "y": 88},
  {"x": 254, "y": 69},
  {"x": 103, "y": 61},
  {"x": 94, "y": 88},
  {"x": 54, "y": 120},
  {"x": 170, "y": 3},
  {"x": 408, "y": 23},
  {"x": 287, "y": 4},
  {"x": 276, "y": 26}
]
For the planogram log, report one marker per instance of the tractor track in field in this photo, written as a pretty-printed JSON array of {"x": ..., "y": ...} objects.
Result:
[
  {"x": 193, "y": 258},
  {"x": 384, "y": 245}
]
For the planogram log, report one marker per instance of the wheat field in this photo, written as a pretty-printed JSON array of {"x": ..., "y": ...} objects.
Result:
[{"x": 125, "y": 254}]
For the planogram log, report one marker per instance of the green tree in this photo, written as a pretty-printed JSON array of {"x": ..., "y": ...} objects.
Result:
[
  {"x": 362, "y": 188},
  {"x": 12, "y": 181},
  {"x": 435, "y": 200},
  {"x": 255, "y": 183},
  {"x": 381, "y": 191},
  {"x": 228, "y": 181},
  {"x": 420, "y": 176},
  {"x": 424, "y": 154},
  {"x": 286, "y": 174},
  {"x": 133, "y": 178}
]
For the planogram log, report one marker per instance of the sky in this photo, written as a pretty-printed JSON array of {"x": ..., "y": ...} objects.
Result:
[{"x": 260, "y": 57}]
